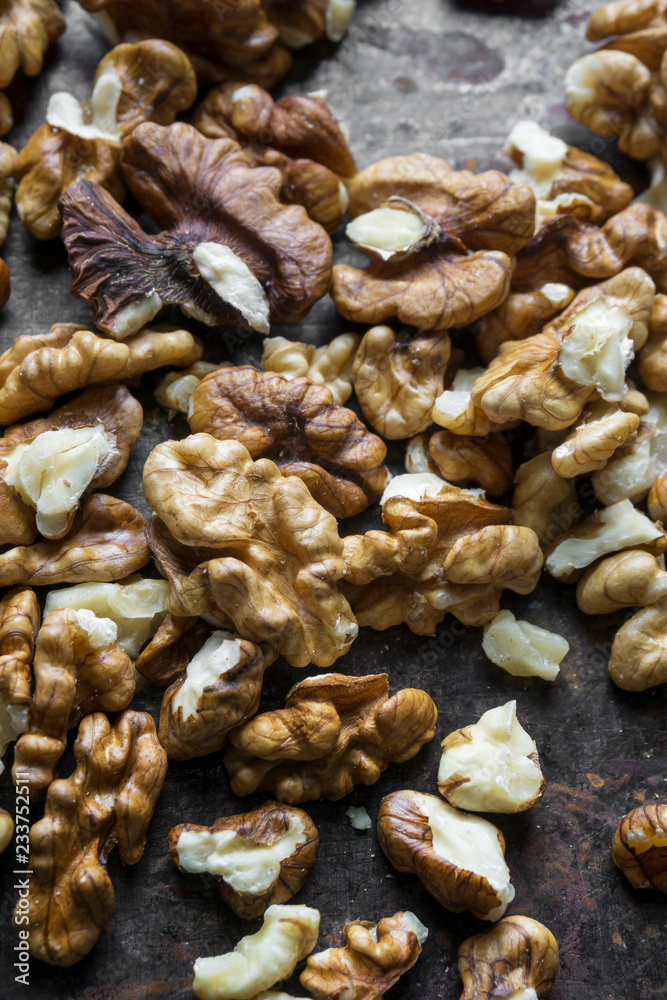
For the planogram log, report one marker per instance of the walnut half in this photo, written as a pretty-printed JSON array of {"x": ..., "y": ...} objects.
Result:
[{"x": 516, "y": 959}]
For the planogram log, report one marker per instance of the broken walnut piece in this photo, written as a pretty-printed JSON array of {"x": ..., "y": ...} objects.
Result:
[
  {"x": 147, "y": 81},
  {"x": 48, "y": 464},
  {"x": 459, "y": 857},
  {"x": 19, "y": 622},
  {"x": 170, "y": 650},
  {"x": 455, "y": 411},
  {"x": 634, "y": 467},
  {"x": 523, "y": 649},
  {"x": 108, "y": 799},
  {"x": 602, "y": 430},
  {"x": 657, "y": 499},
  {"x": 521, "y": 315},
  {"x": 397, "y": 379},
  {"x": 106, "y": 542},
  {"x": 229, "y": 253},
  {"x": 37, "y": 369},
  {"x": 639, "y": 847},
  {"x": 629, "y": 579},
  {"x": 255, "y": 553},
  {"x": 330, "y": 365},
  {"x": 27, "y": 28},
  {"x": 295, "y": 423},
  {"x": 492, "y": 765},
  {"x": 174, "y": 390},
  {"x": 638, "y": 659},
  {"x": 261, "y": 857},
  {"x": 439, "y": 242},
  {"x": 517, "y": 957},
  {"x": 543, "y": 500},
  {"x": 6, "y": 830},
  {"x": 652, "y": 358},
  {"x": 7, "y": 160},
  {"x": 306, "y": 21},
  {"x": 219, "y": 689},
  {"x": 485, "y": 461},
  {"x": 373, "y": 958},
  {"x": 334, "y": 732},
  {"x": 79, "y": 668}
]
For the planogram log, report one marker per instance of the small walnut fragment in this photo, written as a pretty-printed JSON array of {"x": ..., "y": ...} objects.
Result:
[
  {"x": 106, "y": 542},
  {"x": 7, "y": 160},
  {"x": 517, "y": 958},
  {"x": 220, "y": 689},
  {"x": 174, "y": 391},
  {"x": 6, "y": 830},
  {"x": 79, "y": 669},
  {"x": 521, "y": 315},
  {"x": 491, "y": 766},
  {"x": 373, "y": 958},
  {"x": 108, "y": 799},
  {"x": 261, "y": 857},
  {"x": 147, "y": 81},
  {"x": 639, "y": 847},
  {"x": 227, "y": 521},
  {"x": 230, "y": 253},
  {"x": 48, "y": 464},
  {"x": 524, "y": 649},
  {"x": 459, "y": 857},
  {"x": 306, "y": 21},
  {"x": 19, "y": 622},
  {"x": 27, "y": 28},
  {"x": 330, "y": 365},
  {"x": 260, "y": 960},
  {"x": 486, "y": 461},
  {"x": 334, "y": 732},
  {"x": 634, "y": 468},
  {"x": 37, "y": 369},
  {"x": 297, "y": 134},
  {"x": 602, "y": 429},
  {"x": 296, "y": 424},
  {"x": 397, "y": 379},
  {"x": 172, "y": 647},
  {"x": 652, "y": 358},
  {"x": 543, "y": 500},
  {"x": 629, "y": 579},
  {"x": 638, "y": 659},
  {"x": 455, "y": 411},
  {"x": 438, "y": 239}
]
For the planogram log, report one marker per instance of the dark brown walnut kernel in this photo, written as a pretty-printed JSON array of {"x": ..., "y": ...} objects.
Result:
[
  {"x": 485, "y": 461},
  {"x": 639, "y": 847},
  {"x": 172, "y": 647},
  {"x": 517, "y": 957}
]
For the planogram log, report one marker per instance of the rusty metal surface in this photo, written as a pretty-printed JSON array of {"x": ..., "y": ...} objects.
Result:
[{"x": 448, "y": 79}]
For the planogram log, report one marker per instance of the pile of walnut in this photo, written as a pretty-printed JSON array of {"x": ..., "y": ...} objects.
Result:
[{"x": 565, "y": 279}]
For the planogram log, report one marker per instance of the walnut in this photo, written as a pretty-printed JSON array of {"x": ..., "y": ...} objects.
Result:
[
  {"x": 6, "y": 116},
  {"x": 330, "y": 365},
  {"x": 219, "y": 40},
  {"x": 657, "y": 499},
  {"x": 219, "y": 689},
  {"x": 397, "y": 379},
  {"x": 652, "y": 358},
  {"x": 37, "y": 369},
  {"x": 108, "y": 799},
  {"x": 634, "y": 467},
  {"x": 297, "y": 134},
  {"x": 543, "y": 500},
  {"x": 6, "y": 830},
  {"x": 547, "y": 379},
  {"x": 221, "y": 553},
  {"x": 521, "y": 315},
  {"x": 79, "y": 669},
  {"x": 174, "y": 390},
  {"x": 106, "y": 542},
  {"x": 491, "y": 766},
  {"x": 447, "y": 553},
  {"x": 230, "y": 253},
  {"x": 523, "y": 649},
  {"x": 174, "y": 644},
  {"x": 261, "y": 857},
  {"x": 260, "y": 960},
  {"x": 438, "y": 239},
  {"x": 374, "y": 957},
  {"x": 518, "y": 957},
  {"x": 619, "y": 90},
  {"x": 602, "y": 430},
  {"x": 563, "y": 178},
  {"x": 5, "y": 284},
  {"x": 19, "y": 622},
  {"x": 296, "y": 423},
  {"x": 459, "y": 857},
  {"x": 611, "y": 529},
  {"x": 486, "y": 461},
  {"x": 27, "y": 28},
  {"x": 639, "y": 847},
  {"x": 629, "y": 579},
  {"x": 7, "y": 160},
  {"x": 334, "y": 732},
  {"x": 455, "y": 411},
  {"x": 148, "y": 81},
  {"x": 305, "y": 21},
  {"x": 638, "y": 659},
  {"x": 48, "y": 464}
]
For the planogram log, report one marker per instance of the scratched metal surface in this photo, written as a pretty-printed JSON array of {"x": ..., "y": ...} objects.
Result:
[{"x": 448, "y": 79}]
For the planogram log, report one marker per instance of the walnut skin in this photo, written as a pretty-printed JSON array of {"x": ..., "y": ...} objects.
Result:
[
  {"x": 115, "y": 410},
  {"x": 485, "y": 461},
  {"x": 197, "y": 713},
  {"x": 222, "y": 557},
  {"x": 639, "y": 847},
  {"x": 170, "y": 650},
  {"x": 217, "y": 212},
  {"x": 19, "y": 622},
  {"x": 638, "y": 658},
  {"x": 148, "y": 81},
  {"x": 514, "y": 955},
  {"x": 335, "y": 732},
  {"x": 374, "y": 957},
  {"x": 108, "y": 799},
  {"x": 630, "y": 579},
  {"x": 106, "y": 542},
  {"x": 432, "y": 281},
  {"x": 76, "y": 673},
  {"x": 37, "y": 369},
  {"x": 330, "y": 365},
  {"x": 397, "y": 379},
  {"x": 267, "y": 825},
  {"x": 521, "y": 315},
  {"x": 296, "y": 423},
  {"x": 297, "y": 134}
]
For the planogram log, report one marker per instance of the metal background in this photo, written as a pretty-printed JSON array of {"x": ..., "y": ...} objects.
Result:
[{"x": 447, "y": 79}]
